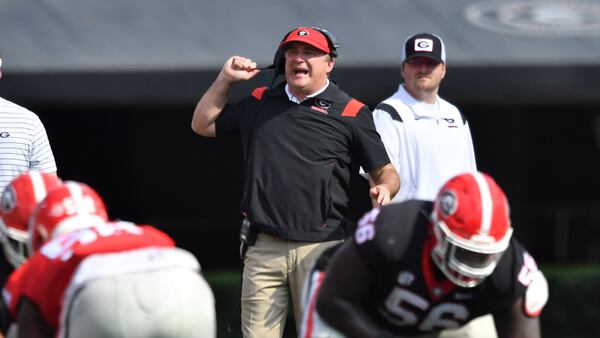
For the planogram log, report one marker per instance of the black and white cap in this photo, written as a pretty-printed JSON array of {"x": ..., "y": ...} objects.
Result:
[{"x": 424, "y": 44}]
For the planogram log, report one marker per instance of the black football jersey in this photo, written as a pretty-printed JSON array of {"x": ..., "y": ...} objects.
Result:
[{"x": 410, "y": 295}]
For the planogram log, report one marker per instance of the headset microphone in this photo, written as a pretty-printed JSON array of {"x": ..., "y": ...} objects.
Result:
[{"x": 267, "y": 67}]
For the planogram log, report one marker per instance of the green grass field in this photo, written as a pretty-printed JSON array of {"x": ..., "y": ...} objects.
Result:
[{"x": 573, "y": 310}]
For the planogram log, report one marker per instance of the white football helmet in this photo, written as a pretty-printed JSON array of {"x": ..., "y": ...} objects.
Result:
[
  {"x": 72, "y": 206},
  {"x": 471, "y": 225},
  {"x": 17, "y": 204}
]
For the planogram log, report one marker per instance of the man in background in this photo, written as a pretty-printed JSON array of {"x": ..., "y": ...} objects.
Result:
[
  {"x": 23, "y": 142},
  {"x": 23, "y": 146},
  {"x": 427, "y": 138}
]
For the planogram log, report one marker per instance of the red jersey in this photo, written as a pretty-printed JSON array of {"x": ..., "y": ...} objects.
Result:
[{"x": 44, "y": 278}]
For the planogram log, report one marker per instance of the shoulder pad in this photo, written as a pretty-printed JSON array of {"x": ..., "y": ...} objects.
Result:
[
  {"x": 352, "y": 108},
  {"x": 536, "y": 295},
  {"x": 259, "y": 92},
  {"x": 390, "y": 110},
  {"x": 399, "y": 225}
]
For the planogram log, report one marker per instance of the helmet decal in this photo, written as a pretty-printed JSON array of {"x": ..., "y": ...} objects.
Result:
[
  {"x": 18, "y": 202},
  {"x": 448, "y": 203},
  {"x": 9, "y": 200},
  {"x": 471, "y": 228}
]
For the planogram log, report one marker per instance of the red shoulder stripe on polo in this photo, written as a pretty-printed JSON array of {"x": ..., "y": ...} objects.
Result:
[
  {"x": 259, "y": 92},
  {"x": 352, "y": 108}
]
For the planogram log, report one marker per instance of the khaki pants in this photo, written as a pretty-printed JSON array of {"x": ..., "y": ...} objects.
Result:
[{"x": 275, "y": 269}]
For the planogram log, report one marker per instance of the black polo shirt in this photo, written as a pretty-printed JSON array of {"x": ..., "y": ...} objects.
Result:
[{"x": 299, "y": 157}]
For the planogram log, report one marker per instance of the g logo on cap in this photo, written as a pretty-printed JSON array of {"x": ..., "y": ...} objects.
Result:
[{"x": 423, "y": 45}]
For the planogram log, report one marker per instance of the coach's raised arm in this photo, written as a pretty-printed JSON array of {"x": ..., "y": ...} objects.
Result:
[{"x": 211, "y": 104}]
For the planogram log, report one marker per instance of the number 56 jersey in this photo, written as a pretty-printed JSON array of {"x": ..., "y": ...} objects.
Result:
[{"x": 411, "y": 296}]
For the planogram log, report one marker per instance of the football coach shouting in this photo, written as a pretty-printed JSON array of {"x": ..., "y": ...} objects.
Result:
[{"x": 301, "y": 140}]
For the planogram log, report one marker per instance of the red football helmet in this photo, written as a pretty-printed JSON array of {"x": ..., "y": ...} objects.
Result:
[
  {"x": 17, "y": 204},
  {"x": 70, "y": 207},
  {"x": 471, "y": 224}
]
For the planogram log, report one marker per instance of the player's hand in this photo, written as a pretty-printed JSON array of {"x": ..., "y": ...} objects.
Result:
[
  {"x": 238, "y": 68},
  {"x": 380, "y": 194}
]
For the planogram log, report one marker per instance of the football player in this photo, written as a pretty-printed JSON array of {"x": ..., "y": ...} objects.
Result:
[
  {"x": 89, "y": 277},
  {"x": 426, "y": 269},
  {"x": 17, "y": 203}
]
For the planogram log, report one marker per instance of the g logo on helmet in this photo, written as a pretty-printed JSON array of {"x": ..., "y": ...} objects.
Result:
[
  {"x": 448, "y": 203},
  {"x": 8, "y": 200},
  {"x": 302, "y": 33}
]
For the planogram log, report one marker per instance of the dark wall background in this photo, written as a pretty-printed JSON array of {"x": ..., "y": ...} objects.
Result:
[
  {"x": 536, "y": 131},
  {"x": 149, "y": 166}
]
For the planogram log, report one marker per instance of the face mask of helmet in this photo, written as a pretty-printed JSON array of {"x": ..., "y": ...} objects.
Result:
[
  {"x": 14, "y": 244},
  {"x": 463, "y": 264}
]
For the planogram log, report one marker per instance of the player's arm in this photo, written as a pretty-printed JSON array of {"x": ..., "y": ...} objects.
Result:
[
  {"x": 346, "y": 285},
  {"x": 213, "y": 101},
  {"x": 522, "y": 318},
  {"x": 30, "y": 321},
  {"x": 514, "y": 323},
  {"x": 4, "y": 318},
  {"x": 7, "y": 325}
]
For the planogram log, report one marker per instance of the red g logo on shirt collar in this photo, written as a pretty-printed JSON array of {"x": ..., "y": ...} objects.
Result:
[{"x": 321, "y": 106}]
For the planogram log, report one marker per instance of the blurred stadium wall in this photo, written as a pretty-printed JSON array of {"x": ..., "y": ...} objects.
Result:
[{"x": 116, "y": 83}]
